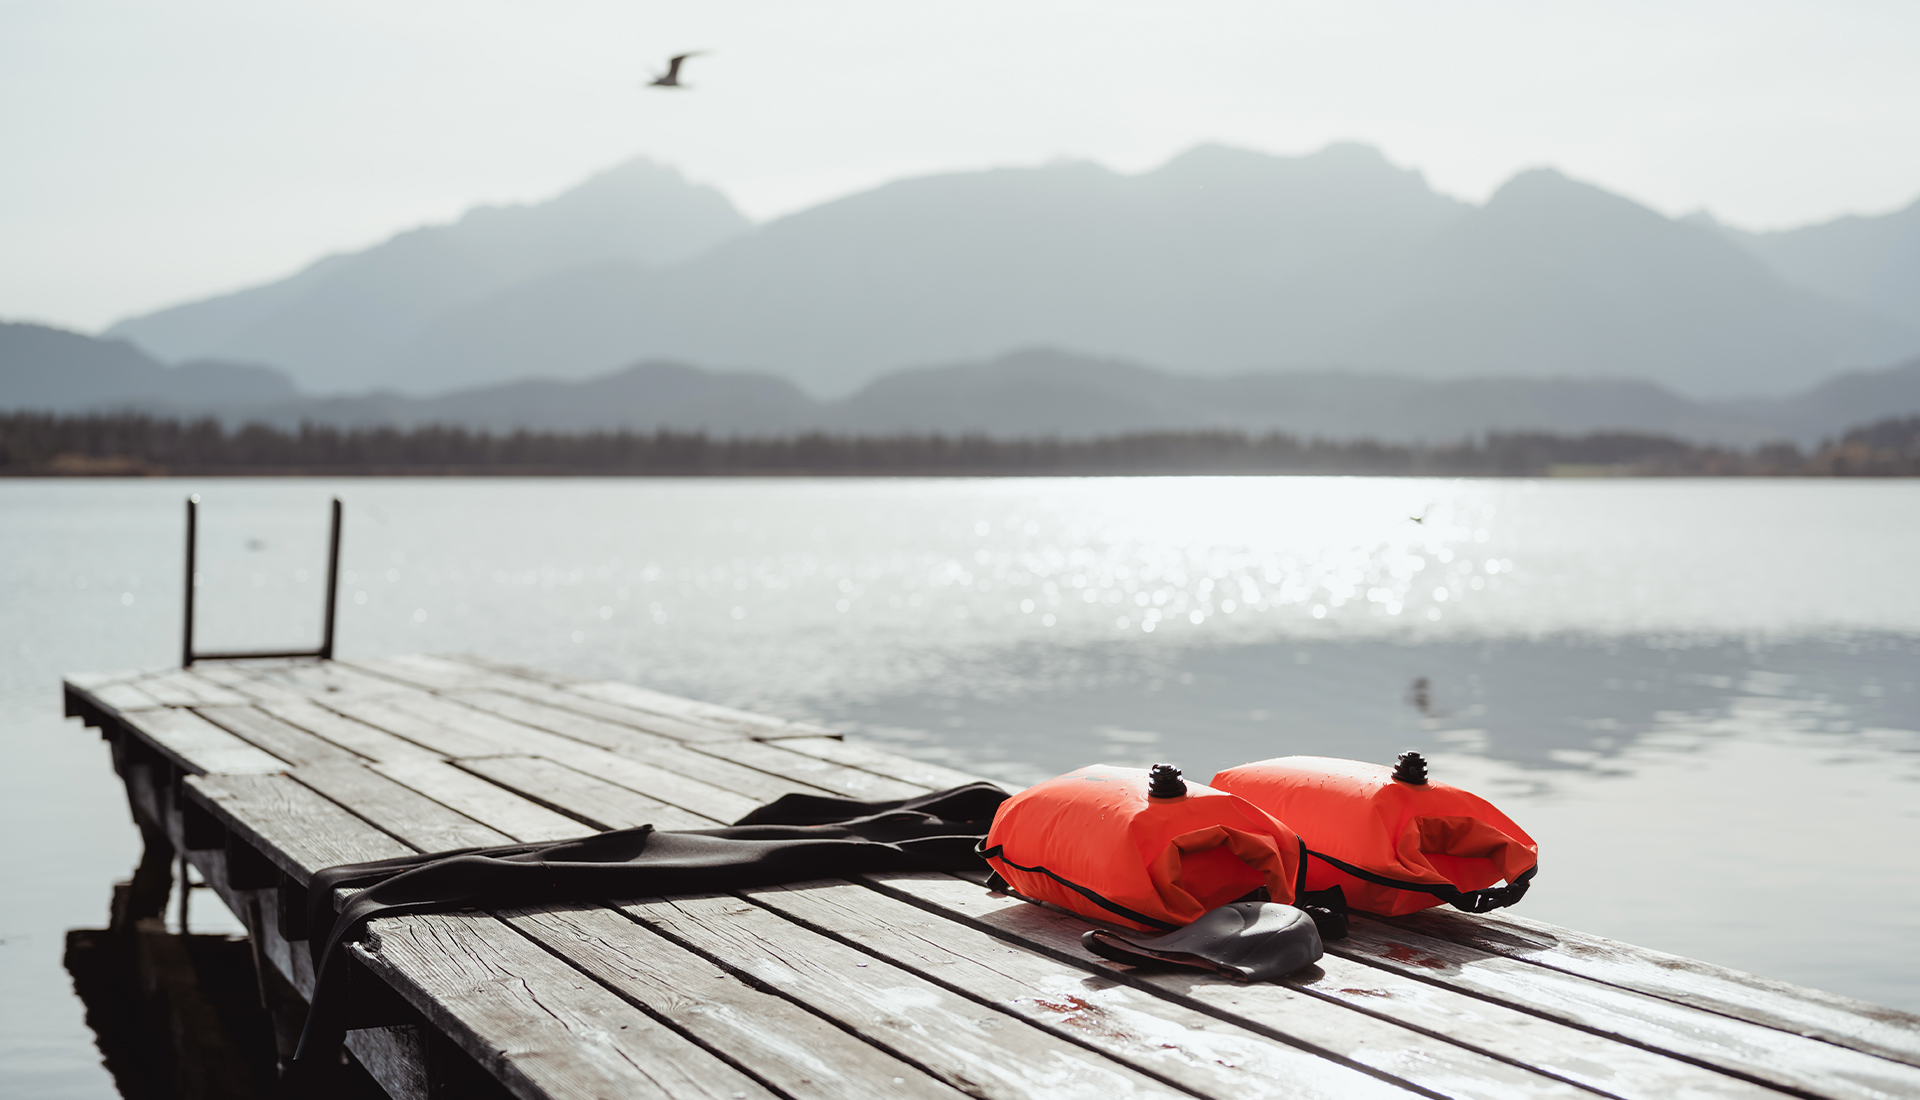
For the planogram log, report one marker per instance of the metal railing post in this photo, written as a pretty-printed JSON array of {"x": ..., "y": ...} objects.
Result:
[
  {"x": 333, "y": 584},
  {"x": 193, "y": 524}
]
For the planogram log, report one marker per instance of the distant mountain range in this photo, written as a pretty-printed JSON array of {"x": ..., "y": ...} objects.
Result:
[
  {"x": 1032, "y": 393},
  {"x": 1870, "y": 262},
  {"x": 51, "y": 369},
  {"x": 347, "y": 321},
  {"x": 1221, "y": 262}
]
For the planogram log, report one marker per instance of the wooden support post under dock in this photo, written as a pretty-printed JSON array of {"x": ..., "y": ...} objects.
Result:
[{"x": 911, "y": 985}]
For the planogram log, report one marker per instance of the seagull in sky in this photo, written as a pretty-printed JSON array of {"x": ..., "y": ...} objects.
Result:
[{"x": 671, "y": 78}]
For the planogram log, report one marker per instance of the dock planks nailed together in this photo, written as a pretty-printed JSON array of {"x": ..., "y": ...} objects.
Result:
[{"x": 910, "y": 985}]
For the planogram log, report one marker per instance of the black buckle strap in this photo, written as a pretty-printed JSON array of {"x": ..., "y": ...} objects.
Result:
[
  {"x": 1470, "y": 901},
  {"x": 1496, "y": 897}
]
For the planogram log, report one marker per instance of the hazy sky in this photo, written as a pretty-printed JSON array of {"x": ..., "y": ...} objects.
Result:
[{"x": 159, "y": 150}]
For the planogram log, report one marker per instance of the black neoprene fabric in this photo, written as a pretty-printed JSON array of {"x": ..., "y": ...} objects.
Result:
[{"x": 796, "y": 838}]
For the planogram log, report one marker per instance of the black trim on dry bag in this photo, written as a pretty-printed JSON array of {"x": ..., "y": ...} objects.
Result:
[
  {"x": 1328, "y": 907},
  {"x": 1110, "y": 906},
  {"x": 1469, "y": 901}
]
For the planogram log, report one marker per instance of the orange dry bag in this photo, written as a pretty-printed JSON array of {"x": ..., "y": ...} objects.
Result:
[
  {"x": 1393, "y": 842},
  {"x": 1141, "y": 849}
]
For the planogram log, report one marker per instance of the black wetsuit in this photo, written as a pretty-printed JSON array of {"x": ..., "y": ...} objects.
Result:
[{"x": 796, "y": 838}]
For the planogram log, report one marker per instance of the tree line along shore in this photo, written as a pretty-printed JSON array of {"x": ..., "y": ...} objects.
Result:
[{"x": 47, "y": 445}]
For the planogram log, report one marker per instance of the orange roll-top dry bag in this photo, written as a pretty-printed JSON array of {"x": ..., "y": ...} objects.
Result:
[
  {"x": 1140, "y": 849},
  {"x": 1393, "y": 842}
]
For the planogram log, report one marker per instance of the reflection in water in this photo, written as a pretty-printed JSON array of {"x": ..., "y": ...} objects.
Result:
[
  {"x": 1420, "y": 694},
  {"x": 1748, "y": 803},
  {"x": 1555, "y": 703},
  {"x": 176, "y": 1017}
]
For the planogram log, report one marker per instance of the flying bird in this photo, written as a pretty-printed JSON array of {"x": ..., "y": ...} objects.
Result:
[{"x": 671, "y": 78}]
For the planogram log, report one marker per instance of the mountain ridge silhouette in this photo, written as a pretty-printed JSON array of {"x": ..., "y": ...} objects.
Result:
[{"x": 1220, "y": 261}]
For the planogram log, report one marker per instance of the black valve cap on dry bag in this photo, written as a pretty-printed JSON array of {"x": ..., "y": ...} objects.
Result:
[
  {"x": 1411, "y": 768},
  {"x": 1163, "y": 781}
]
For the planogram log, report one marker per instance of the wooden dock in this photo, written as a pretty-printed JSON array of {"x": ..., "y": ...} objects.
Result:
[{"x": 911, "y": 985}]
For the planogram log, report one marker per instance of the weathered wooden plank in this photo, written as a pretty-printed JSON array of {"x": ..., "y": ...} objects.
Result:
[
  {"x": 780, "y": 772},
  {"x": 553, "y": 690},
  {"x": 123, "y": 698},
  {"x": 590, "y": 784},
  {"x": 1733, "y": 1046},
  {"x": 1874, "y": 1029},
  {"x": 602, "y": 804},
  {"x": 796, "y": 1052},
  {"x": 397, "y": 809},
  {"x": 258, "y": 664},
  {"x": 516, "y": 816},
  {"x": 198, "y": 746},
  {"x": 769, "y": 757},
  {"x": 444, "y": 673},
  {"x": 854, "y": 754},
  {"x": 396, "y": 1058},
  {"x": 182, "y": 688},
  {"x": 438, "y": 737},
  {"x": 668, "y": 773},
  {"x": 545, "y": 676},
  {"x": 1189, "y": 1048},
  {"x": 566, "y": 723},
  {"x": 298, "y": 829},
  {"x": 752, "y": 784},
  {"x": 540, "y": 1027},
  {"x": 988, "y": 1055},
  {"x": 233, "y": 676},
  {"x": 92, "y": 681},
  {"x": 659, "y": 725},
  {"x": 717, "y": 804},
  {"x": 499, "y": 729},
  {"x": 1495, "y": 1031},
  {"x": 431, "y": 671},
  {"x": 212, "y": 687},
  {"x": 165, "y": 690},
  {"x": 456, "y": 677},
  {"x": 649, "y": 722},
  {"x": 271, "y": 734},
  {"x": 661, "y": 777},
  {"x": 501, "y": 735},
  {"x": 321, "y": 679},
  {"x": 743, "y": 723},
  {"x": 351, "y": 734}
]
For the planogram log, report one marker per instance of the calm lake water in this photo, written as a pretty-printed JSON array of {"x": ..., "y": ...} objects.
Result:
[{"x": 1698, "y": 695}]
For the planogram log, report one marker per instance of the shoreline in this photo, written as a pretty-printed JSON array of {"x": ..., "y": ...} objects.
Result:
[{"x": 135, "y": 445}]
